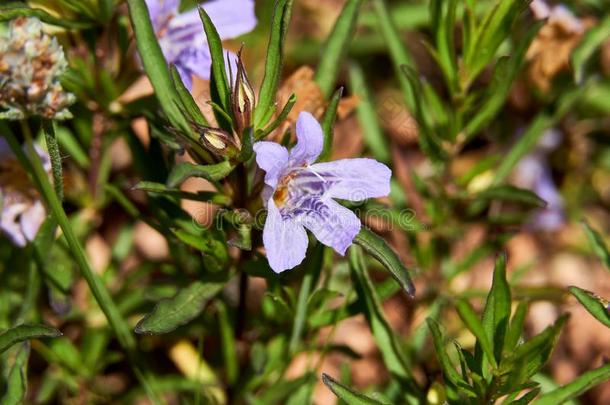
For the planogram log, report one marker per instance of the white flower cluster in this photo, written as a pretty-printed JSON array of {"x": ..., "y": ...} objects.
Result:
[{"x": 31, "y": 64}]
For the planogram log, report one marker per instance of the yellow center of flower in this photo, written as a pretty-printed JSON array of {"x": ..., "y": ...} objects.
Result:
[{"x": 281, "y": 192}]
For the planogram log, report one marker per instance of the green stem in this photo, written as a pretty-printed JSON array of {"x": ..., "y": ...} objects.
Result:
[{"x": 99, "y": 291}]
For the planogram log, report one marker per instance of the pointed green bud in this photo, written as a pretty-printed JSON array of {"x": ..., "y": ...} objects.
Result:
[
  {"x": 243, "y": 98},
  {"x": 219, "y": 142}
]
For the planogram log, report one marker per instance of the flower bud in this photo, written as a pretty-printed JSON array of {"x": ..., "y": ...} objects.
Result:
[
  {"x": 31, "y": 64},
  {"x": 219, "y": 142},
  {"x": 242, "y": 99}
]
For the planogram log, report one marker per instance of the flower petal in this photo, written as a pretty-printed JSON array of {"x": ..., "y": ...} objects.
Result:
[
  {"x": 272, "y": 158},
  {"x": 193, "y": 61},
  {"x": 333, "y": 225},
  {"x": 231, "y": 18},
  {"x": 32, "y": 219},
  {"x": 355, "y": 179},
  {"x": 310, "y": 140},
  {"x": 285, "y": 240},
  {"x": 161, "y": 11},
  {"x": 10, "y": 225}
]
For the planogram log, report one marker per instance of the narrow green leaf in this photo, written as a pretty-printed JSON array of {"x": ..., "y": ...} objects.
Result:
[
  {"x": 25, "y": 332},
  {"x": 336, "y": 46},
  {"x": 506, "y": 70},
  {"x": 531, "y": 136},
  {"x": 473, "y": 324},
  {"x": 219, "y": 73},
  {"x": 155, "y": 64},
  {"x": 577, "y": 387},
  {"x": 185, "y": 306},
  {"x": 495, "y": 29},
  {"x": 496, "y": 314},
  {"x": 328, "y": 122},
  {"x": 392, "y": 352},
  {"x": 449, "y": 370},
  {"x": 367, "y": 115},
  {"x": 516, "y": 326},
  {"x": 13, "y": 10},
  {"x": 189, "y": 104},
  {"x": 215, "y": 254},
  {"x": 273, "y": 64},
  {"x": 227, "y": 340},
  {"x": 183, "y": 171},
  {"x": 280, "y": 118},
  {"x": 443, "y": 13},
  {"x": 379, "y": 249},
  {"x": 69, "y": 143},
  {"x": 529, "y": 358},
  {"x": 279, "y": 392},
  {"x": 162, "y": 189},
  {"x": 511, "y": 194},
  {"x": 48, "y": 127},
  {"x": 16, "y": 377},
  {"x": 428, "y": 141},
  {"x": 592, "y": 40},
  {"x": 594, "y": 304},
  {"x": 597, "y": 243},
  {"x": 399, "y": 54},
  {"x": 312, "y": 271},
  {"x": 348, "y": 395}
]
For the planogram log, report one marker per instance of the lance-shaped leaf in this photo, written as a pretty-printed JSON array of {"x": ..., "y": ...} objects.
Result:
[
  {"x": 273, "y": 65},
  {"x": 597, "y": 244},
  {"x": 348, "y": 395},
  {"x": 185, "y": 306},
  {"x": 183, "y": 171},
  {"x": 580, "y": 385},
  {"x": 511, "y": 194},
  {"x": 336, "y": 46},
  {"x": 312, "y": 268},
  {"x": 155, "y": 64},
  {"x": 592, "y": 40},
  {"x": 219, "y": 74},
  {"x": 191, "y": 109},
  {"x": 516, "y": 327},
  {"x": 428, "y": 140},
  {"x": 447, "y": 366},
  {"x": 399, "y": 54},
  {"x": 260, "y": 134},
  {"x": 328, "y": 122},
  {"x": 495, "y": 29},
  {"x": 474, "y": 325},
  {"x": 505, "y": 71},
  {"x": 25, "y": 332},
  {"x": 367, "y": 115},
  {"x": 534, "y": 132},
  {"x": 594, "y": 304},
  {"x": 379, "y": 249},
  {"x": 162, "y": 189},
  {"x": 496, "y": 314},
  {"x": 392, "y": 351},
  {"x": 529, "y": 358},
  {"x": 16, "y": 377}
]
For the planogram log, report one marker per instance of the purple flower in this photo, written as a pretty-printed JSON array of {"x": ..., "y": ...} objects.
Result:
[
  {"x": 300, "y": 194},
  {"x": 182, "y": 38},
  {"x": 22, "y": 212},
  {"x": 533, "y": 172}
]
